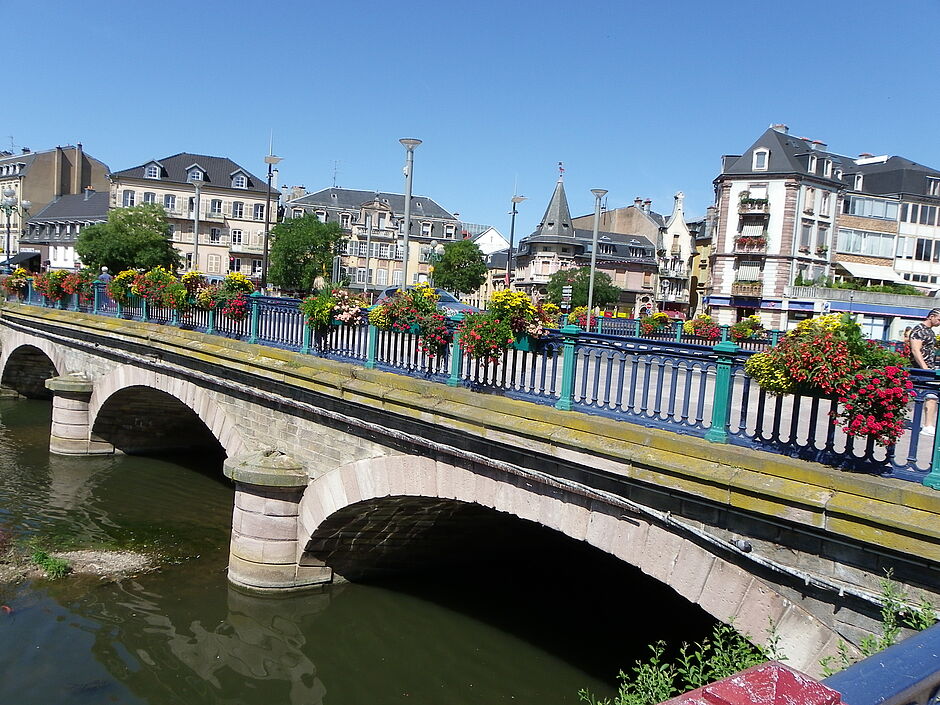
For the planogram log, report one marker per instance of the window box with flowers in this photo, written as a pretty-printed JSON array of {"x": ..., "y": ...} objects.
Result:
[
  {"x": 332, "y": 306},
  {"x": 751, "y": 243},
  {"x": 414, "y": 311},
  {"x": 749, "y": 328},
  {"x": 657, "y": 323},
  {"x": 527, "y": 321},
  {"x": 821, "y": 250},
  {"x": 15, "y": 283},
  {"x": 702, "y": 326},
  {"x": 828, "y": 357}
]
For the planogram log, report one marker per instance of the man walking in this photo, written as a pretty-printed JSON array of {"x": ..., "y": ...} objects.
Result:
[{"x": 923, "y": 356}]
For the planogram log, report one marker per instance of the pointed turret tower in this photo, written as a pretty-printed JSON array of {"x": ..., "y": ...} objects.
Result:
[{"x": 557, "y": 219}]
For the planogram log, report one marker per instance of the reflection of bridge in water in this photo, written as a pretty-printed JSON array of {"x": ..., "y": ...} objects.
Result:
[{"x": 342, "y": 468}]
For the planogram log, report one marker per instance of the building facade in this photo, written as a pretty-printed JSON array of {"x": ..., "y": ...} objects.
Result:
[
  {"x": 233, "y": 203},
  {"x": 53, "y": 231},
  {"x": 374, "y": 224}
]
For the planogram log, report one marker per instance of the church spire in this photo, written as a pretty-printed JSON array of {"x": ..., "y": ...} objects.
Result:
[{"x": 557, "y": 218}]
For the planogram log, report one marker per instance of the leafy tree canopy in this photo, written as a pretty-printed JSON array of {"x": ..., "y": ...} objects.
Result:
[
  {"x": 133, "y": 238},
  {"x": 302, "y": 249},
  {"x": 461, "y": 269},
  {"x": 579, "y": 280}
]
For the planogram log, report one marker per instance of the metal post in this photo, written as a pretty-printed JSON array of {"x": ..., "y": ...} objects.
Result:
[
  {"x": 932, "y": 479},
  {"x": 678, "y": 331},
  {"x": 456, "y": 353},
  {"x": 270, "y": 160},
  {"x": 568, "y": 363},
  {"x": 598, "y": 195},
  {"x": 409, "y": 145},
  {"x": 197, "y": 186},
  {"x": 8, "y": 267},
  {"x": 365, "y": 282},
  {"x": 210, "y": 327},
  {"x": 516, "y": 200},
  {"x": 96, "y": 288},
  {"x": 372, "y": 346},
  {"x": 307, "y": 335},
  {"x": 255, "y": 316},
  {"x": 721, "y": 403},
  {"x": 144, "y": 315}
]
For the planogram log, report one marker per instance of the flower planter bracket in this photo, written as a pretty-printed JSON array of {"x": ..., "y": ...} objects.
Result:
[
  {"x": 568, "y": 363},
  {"x": 144, "y": 316},
  {"x": 525, "y": 342},
  {"x": 721, "y": 406},
  {"x": 678, "y": 331}
]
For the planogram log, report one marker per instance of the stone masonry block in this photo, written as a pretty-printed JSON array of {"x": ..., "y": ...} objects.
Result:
[
  {"x": 331, "y": 485},
  {"x": 280, "y": 552},
  {"x": 574, "y": 522},
  {"x": 60, "y": 403},
  {"x": 68, "y": 431},
  {"x": 661, "y": 552},
  {"x": 725, "y": 587},
  {"x": 630, "y": 541},
  {"x": 505, "y": 499},
  {"x": 70, "y": 416},
  {"x": 760, "y": 608},
  {"x": 265, "y": 527},
  {"x": 247, "y": 547},
  {"x": 365, "y": 479},
  {"x": 350, "y": 481},
  {"x": 691, "y": 570},
  {"x": 484, "y": 490},
  {"x": 287, "y": 506},
  {"x": 802, "y": 639}
]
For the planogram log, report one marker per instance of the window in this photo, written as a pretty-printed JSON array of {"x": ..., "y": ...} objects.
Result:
[
  {"x": 128, "y": 198},
  {"x": 399, "y": 254},
  {"x": 864, "y": 242},
  {"x": 396, "y": 277},
  {"x": 748, "y": 270},
  {"x": 859, "y": 180},
  {"x": 812, "y": 163},
  {"x": 382, "y": 225},
  {"x": 239, "y": 181},
  {"x": 824, "y": 203},
  {"x": 258, "y": 211},
  {"x": 238, "y": 209},
  {"x": 152, "y": 172},
  {"x": 381, "y": 277},
  {"x": 234, "y": 264},
  {"x": 236, "y": 237},
  {"x": 215, "y": 264},
  {"x": 215, "y": 235},
  {"x": 933, "y": 186},
  {"x": 426, "y": 229},
  {"x": 215, "y": 206},
  {"x": 321, "y": 216},
  {"x": 195, "y": 175},
  {"x": 189, "y": 260},
  {"x": 822, "y": 237},
  {"x": 169, "y": 202},
  {"x": 810, "y": 204},
  {"x": 256, "y": 267},
  {"x": 150, "y": 197},
  {"x": 362, "y": 249},
  {"x": 297, "y": 213},
  {"x": 360, "y": 275},
  {"x": 827, "y": 168},
  {"x": 385, "y": 251},
  {"x": 760, "y": 159},
  {"x": 870, "y": 208},
  {"x": 345, "y": 220},
  {"x": 806, "y": 236},
  {"x": 450, "y": 231}
]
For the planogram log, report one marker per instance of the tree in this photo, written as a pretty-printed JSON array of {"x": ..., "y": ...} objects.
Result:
[
  {"x": 133, "y": 238},
  {"x": 461, "y": 269},
  {"x": 302, "y": 249},
  {"x": 579, "y": 280}
]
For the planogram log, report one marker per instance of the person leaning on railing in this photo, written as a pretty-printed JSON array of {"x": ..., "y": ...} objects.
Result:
[{"x": 923, "y": 342}]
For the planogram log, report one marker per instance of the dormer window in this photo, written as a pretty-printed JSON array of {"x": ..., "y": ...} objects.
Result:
[
  {"x": 812, "y": 163},
  {"x": 933, "y": 186},
  {"x": 827, "y": 168},
  {"x": 195, "y": 175},
  {"x": 761, "y": 157},
  {"x": 152, "y": 172},
  {"x": 859, "y": 178},
  {"x": 239, "y": 181}
]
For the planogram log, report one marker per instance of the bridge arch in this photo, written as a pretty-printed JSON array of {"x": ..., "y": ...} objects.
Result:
[
  {"x": 128, "y": 392},
  {"x": 26, "y": 362},
  {"x": 721, "y": 588}
]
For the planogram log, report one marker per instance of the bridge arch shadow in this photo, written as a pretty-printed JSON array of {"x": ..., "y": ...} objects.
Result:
[
  {"x": 27, "y": 365},
  {"x": 357, "y": 519},
  {"x": 143, "y": 412}
]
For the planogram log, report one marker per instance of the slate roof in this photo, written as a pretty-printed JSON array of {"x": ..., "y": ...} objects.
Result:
[
  {"x": 26, "y": 159},
  {"x": 582, "y": 241},
  {"x": 75, "y": 208},
  {"x": 352, "y": 200},
  {"x": 895, "y": 175},
  {"x": 497, "y": 260},
  {"x": 557, "y": 219},
  {"x": 787, "y": 155},
  {"x": 174, "y": 169}
]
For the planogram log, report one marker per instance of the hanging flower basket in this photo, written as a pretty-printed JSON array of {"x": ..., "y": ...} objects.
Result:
[{"x": 525, "y": 342}]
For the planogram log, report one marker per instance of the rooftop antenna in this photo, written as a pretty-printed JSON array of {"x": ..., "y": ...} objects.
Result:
[{"x": 335, "y": 171}]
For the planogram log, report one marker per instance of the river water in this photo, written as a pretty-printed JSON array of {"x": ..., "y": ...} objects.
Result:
[{"x": 526, "y": 632}]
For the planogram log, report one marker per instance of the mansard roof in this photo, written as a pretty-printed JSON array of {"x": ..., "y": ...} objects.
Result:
[
  {"x": 353, "y": 200},
  {"x": 786, "y": 155},
  {"x": 217, "y": 171},
  {"x": 75, "y": 207}
]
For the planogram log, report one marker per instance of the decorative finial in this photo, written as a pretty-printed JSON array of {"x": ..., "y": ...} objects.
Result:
[{"x": 561, "y": 171}]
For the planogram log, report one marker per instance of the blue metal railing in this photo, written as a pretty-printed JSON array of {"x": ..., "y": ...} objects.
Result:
[{"x": 665, "y": 381}]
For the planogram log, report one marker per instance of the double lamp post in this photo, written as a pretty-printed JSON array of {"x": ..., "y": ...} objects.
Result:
[{"x": 11, "y": 205}]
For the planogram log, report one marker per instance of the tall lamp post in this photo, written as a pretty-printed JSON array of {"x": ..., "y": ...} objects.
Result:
[
  {"x": 197, "y": 186},
  {"x": 270, "y": 160},
  {"x": 10, "y": 205},
  {"x": 435, "y": 253},
  {"x": 599, "y": 193},
  {"x": 516, "y": 200},
  {"x": 409, "y": 145}
]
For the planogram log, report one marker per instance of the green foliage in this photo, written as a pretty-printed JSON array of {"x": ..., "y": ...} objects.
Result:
[
  {"x": 579, "y": 281},
  {"x": 53, "y": 567},
  {"x": 302, "y": 249},
  {"x": 461, "y": 269},
  {"x": 132, "y": 238},
  {"x": 318, "y": 309},
  {"x": 485, "y": 336},
  {"x": 897, "y": 612},
  {"x": 829, "y": 283},
  {"x": 652, "y": 681}
]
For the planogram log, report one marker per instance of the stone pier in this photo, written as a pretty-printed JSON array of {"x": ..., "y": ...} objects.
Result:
[
  {"x": 266, "y": 548},
  {"x": 71, "y": 421}
]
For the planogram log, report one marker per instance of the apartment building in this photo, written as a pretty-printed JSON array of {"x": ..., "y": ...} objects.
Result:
[
  {"x": 232, "y": 207},
  {"x": 374, "y": 223},
  {"x": 52, "y": 232}
]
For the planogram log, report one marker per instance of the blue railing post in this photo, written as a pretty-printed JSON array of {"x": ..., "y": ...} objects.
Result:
[
  {"x": 933, "y": 477},
  {"x": 636, "y": 327},
  {"x": 678, "y": 331},
  {"x": 255, "y": 316},
  {"x": 721, "y": 403},
  {"x": 568, "y": 363},
  {"x": 175, "y": 317},
  {"x": 96, "y": 297},
  {"x": 456, "y": 353},
  {"x": 144, "y": 314},
  {"x": 120, "y": 310},
  {"x": 372, "y": 346},
  {"x": 210, "y": 326},
  {"x": 306, "y": 336}
]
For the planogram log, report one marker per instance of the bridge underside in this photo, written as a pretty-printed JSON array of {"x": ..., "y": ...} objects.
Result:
[
  {"x": 26, "y": 371},
  {"x": 141, "y": 420}
]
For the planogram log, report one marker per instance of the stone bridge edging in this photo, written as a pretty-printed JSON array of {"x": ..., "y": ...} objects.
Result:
[
  {"x": 14, "y": 339},
  {"x": 724, "y": 590}
]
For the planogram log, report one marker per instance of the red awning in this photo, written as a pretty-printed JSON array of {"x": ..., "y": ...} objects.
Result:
[{"x": 679, "y": 315}]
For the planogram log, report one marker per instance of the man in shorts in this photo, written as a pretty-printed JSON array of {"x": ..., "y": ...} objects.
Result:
[{"x": 923, "y": 356}]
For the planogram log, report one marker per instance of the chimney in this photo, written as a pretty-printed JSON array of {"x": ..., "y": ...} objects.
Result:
[
  {"x": 77, "y": 170},
  {"x": 89, "y": 192},
  {"x": 25, "y": 150},
  {"x": 637, "y": 202},
  {"x": 646, "y": 205},
  {"x": 819, "y": 145},
  {"x": 780, "y": 127},
  {"x": 865, "y": 155},
  {"x": 57, "y": 173},
  {"x": 297, "y": 192}
]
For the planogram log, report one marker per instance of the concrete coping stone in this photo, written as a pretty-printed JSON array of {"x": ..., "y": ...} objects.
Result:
[
  {"x": 266, "y": 468},
  {"x": 74, "y": 383}
]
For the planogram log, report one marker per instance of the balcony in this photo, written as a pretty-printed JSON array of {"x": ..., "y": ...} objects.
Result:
[
  {"x": 750, "y": 289},
  {"x": 679, "y": 297},
  {"x": 245, "y": 248},
  {"x": 754, "y": 206},
  {"x": 674, "y": 272},
  {"x": 750, "y": 244},
  {"x": 214, "y": 215},
  {"x": 851, "y": 296}
]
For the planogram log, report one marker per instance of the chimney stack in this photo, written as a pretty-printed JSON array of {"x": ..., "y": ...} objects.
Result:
[
  {"x": 646, "y": 205},
  {"x": 637, "y": 202},
  {"x": 77, "y": 170},
  {"x": 780, "y": 127},
  {"x": 89, "y": 191},
  {"x": 865, "y": 155}
]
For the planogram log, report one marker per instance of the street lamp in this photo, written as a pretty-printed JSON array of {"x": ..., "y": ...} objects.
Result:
[
  {"x": 197, "y": 185},
  {"x": 409, "y": 145},
  {"x": 435, "y": 253},
  {"x": 516, "y": 200},
  {"x": 599, "y": 193},
  {"x": 9, "y": 205},
  {"x": 270, "y": 160}
]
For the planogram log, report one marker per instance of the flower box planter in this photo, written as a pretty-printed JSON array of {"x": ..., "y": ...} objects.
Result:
[{"x": 525, "y": 343}]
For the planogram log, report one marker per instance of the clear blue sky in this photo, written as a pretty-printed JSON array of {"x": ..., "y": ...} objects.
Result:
[{"x": 639, "y": 98}]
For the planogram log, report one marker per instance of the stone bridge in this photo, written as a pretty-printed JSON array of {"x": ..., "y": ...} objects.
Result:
[{"x": 343, "y": 472}]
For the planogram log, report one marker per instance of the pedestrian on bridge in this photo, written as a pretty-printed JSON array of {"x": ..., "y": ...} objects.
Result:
[{"x": 923, "y": 356}]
